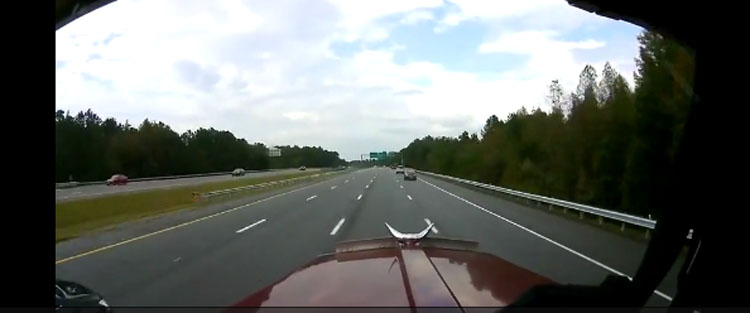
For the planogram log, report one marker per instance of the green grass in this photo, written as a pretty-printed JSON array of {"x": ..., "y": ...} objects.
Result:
[{"x": 74, "y": 218}]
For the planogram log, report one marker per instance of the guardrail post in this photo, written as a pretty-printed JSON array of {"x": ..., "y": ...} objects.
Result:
[
  {"x": 580, "y": 215},
  {"x": 549, "y": 207},
  {"x": 622, "y": 228},
  {"x": 647, "y": 233},
  {"x": 601, "y": 220},
  {"x": 565, "y": 210}
]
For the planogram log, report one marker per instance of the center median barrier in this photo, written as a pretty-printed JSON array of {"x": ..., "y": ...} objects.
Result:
[
  {"x": 134, "y": 180},
  {"x": 73, "y": 218},
  {"x": 199, "y": 196}
]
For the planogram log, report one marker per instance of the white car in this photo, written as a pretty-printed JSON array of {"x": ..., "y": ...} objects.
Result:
[
  {"x": 400, "y": 169},
  {"x": 238, "y": 172}
]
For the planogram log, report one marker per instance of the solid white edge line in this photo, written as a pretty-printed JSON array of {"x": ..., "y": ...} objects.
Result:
[
  {"x": 250, "y": 226},
  {"x": 581, "y": 255},
  {"x": 312, "y": 197},
  {"x": 360, "y": 196},
  {"x": 333, "y": 187},
  {"x": 336, "y": 228},
  {"x": 408, "y": 196},
  {"x": 434, "y": 228}
]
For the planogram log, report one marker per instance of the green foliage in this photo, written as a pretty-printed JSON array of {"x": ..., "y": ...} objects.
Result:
[
  {"x": 606, "y": 144},
  {"x": 305, "y": 156},
  {"x": 87, "y": 149}
]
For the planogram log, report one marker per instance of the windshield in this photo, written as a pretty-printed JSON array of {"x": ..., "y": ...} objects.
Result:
[{"x": 513, "y": 116}]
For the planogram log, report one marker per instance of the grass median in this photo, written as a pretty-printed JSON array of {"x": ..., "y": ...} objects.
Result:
[{"x": 74, "y": 218}]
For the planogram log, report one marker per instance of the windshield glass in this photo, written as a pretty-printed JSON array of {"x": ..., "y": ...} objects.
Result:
[{"x": 514, "y": 114}]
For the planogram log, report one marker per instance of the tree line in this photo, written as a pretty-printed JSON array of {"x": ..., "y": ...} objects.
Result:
[
  {"x": 88, "y": 148},
  {"x": 604, "y": 144}
]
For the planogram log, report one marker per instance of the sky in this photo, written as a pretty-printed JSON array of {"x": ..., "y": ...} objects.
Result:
[{"x": 350, "y": 76}]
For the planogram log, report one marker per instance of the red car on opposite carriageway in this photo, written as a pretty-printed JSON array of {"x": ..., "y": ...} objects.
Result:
[{"x": 117, "y": 179}]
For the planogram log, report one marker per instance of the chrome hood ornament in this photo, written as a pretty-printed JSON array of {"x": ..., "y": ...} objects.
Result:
[{"x": 409, "y": 237}]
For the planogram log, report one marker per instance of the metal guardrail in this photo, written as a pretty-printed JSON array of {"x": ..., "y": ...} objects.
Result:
[
  {"x": 67, "y": 185},
  {"x": 649, "y": 224},
  {"x": 100, "y": 182}
]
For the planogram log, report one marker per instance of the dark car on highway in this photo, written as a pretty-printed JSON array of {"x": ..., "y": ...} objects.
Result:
[
  {"x": 117, "y": 179},
  {"x": 410, "y": 174},
  {"x": 74, "y": 297}
]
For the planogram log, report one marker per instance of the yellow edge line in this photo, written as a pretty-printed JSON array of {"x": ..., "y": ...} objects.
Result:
[{"x": 175, "y": 227}]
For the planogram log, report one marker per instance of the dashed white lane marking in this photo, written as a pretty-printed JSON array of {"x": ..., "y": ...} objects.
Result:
[
  {"x": 581, "y": 255},
  {"x": 336, "y": 228},
  {"x": 408, "y": 196},
  {"x": 360, "y": 196},
  {"x": 333, "y": 187},
  {"x": 97, "y": 250},
  {"x": 313, "y": 197},
  {"x": 396, "y": 180},
  {"x": 346, "y": 181},
  {"x": 434, "y": 228},
  {"x": 250, "y": 226},
  {"x": 177, "y": 259},
  {"x": 367, "y": 186},
  {"x": 371, "y": 181},
  {"x": 402, "y": 186}
]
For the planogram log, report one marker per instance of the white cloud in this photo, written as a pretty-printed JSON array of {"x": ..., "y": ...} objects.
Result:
[
  {"x": 416, "y": 17},
  {"x": 548, "y": 58},
  {"x": 358, "y": 17},
  {"x": 554, "y": 14},
  {"x": 449, "y": 20},
  {"x": 298, "y": 116},
  {"x": 534, "y": 41},
  {"x": 265, "y": 70}
]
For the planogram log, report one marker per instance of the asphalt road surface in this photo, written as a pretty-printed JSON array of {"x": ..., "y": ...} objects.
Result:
[
  {"x": 92, "y": 191},
  {"x": 249, "y": 243}
]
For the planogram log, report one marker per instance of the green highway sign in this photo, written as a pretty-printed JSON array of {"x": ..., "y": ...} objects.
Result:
[{"x": 378, "y": 155}]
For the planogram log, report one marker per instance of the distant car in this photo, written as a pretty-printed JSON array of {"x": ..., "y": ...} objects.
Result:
[
  {"x": 393, "y": 167},
  {"x": 400, "y": 169},
  {"x": 117, "y": 179},
  {"x": 238, "y": 172},
  {"x": 74, "y": 297},
  {"x": 302, "y": 168},
  {"x": 410, "y": 174}
]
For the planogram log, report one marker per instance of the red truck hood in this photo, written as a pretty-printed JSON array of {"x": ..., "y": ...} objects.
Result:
[{"x": 379, "y": 272}]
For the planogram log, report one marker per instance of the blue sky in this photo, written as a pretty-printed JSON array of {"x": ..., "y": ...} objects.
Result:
[{"x": 352, "y": 76}]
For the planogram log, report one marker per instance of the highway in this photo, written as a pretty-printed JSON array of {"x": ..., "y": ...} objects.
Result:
[
  {"x": 221, "y": 254},
  {"x": 93, "y": 191}
]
